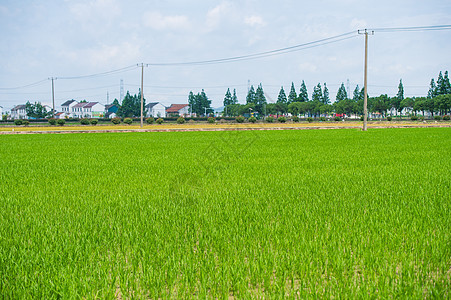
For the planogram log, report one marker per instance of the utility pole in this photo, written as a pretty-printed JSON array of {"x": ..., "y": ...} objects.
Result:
[
  {"x": 53, "y": 96},
  {"x": 365, "y": 81},
  {"x": 142, "y": 92}
]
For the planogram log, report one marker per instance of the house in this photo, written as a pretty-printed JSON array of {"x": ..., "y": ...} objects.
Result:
[
  {"x": 111, "y": 108},
  {"x": 19, "y": 112},
  {"x": 62, "y": 115},
  {"x": 94, "y": 110},
  {"x": 178, "y": 110},
  {"x": 88, "y": 110},
  {"x": 110, "y": 115},
  {"x": 66, "y": 107},
  {"x": 77, "y": 110},
  {"x": 156, "y": 110}
]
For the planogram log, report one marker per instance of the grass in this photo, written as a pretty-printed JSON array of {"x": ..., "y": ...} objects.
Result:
[{"x": 307, "y": 214}]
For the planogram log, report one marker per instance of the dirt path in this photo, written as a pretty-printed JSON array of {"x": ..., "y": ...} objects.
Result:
[{"x": 210, "y": 127}]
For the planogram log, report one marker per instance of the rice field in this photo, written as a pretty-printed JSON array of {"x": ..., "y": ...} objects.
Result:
[{"x": 227, "y": 215}]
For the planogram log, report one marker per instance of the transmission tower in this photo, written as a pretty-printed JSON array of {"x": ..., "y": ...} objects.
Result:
[
  {"x": 122, "y": 90},
  {"x": 348, "y": 89}
]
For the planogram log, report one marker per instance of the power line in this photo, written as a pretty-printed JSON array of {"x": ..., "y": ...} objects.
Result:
[
  {"x": 412, "y": 29},
  {"x": 117, "y": 71},
  {"x": 298, "y": 47},
  {"x": 25, "y": 86}
]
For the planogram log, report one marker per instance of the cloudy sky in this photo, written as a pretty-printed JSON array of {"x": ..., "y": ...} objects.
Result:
[{"x": 73, "y": 38}]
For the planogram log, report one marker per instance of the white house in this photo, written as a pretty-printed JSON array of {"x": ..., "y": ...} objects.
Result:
[
  {"x": 62, "y": 115},
  {"x": 178, "y": 109},
  {"x": 19, "y": 112},
  {"x": 77, "y": 110},
  {"x": 88, "y": 110},
  {"x": 94, "y": 110},
  {"x": 66, "y": 107},
  {"x": 156, "y": 110}
]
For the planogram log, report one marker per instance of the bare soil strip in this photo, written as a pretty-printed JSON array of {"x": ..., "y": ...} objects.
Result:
[{"x": 209, "y": 127}]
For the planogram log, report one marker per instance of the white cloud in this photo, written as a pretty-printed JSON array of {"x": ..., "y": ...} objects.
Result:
[
  {"x": 358, "y": 24},
  {"x": 215, "y": 15},
  {"x": 103, "y": 9},
  {"x": 254, "y": 21},
  {"x": 157, "y": 21}
]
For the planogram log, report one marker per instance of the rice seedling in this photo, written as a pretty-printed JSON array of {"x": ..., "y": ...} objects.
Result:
[{"x": 320, "y": 213}]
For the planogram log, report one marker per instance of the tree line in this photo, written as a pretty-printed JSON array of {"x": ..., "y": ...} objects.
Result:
[{"x": 437, "y": 101}]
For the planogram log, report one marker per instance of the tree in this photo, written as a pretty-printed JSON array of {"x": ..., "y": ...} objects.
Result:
[
  {"x": 131, "y": 106},
  {"x": 432, "y": 89},
  {"x": 191, "y": 101},
  {"x": 441, "y": 88},
  {"x": 326, "y": 99},
  {"x": 341, "y": 94},
  {"x": 260, "y": 99},
  {"x": 234, "y": 97},
  {"x": 292, "y": 96},
  {"x": 317, "y": 93},
  {"x": 116, "y": 102},
  {"x": 282, "y": 98},
  {"x": 228, "y": 98},
  {"x": 202, "y": 103},
  {"x": 303, "y": 95},
  {"x": 379, "y": 104},
  {"x": 250, "y": 98},
  {"x": 447, "y": 85},
  {"x": 294, "y": 108},
  {"x": 357, "y": 95},
  {"x": 400, "y": 94},
  {"x": 36, "y": 110}
]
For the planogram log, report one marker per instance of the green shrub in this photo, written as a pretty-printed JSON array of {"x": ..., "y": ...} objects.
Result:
[
  {"x": 389, "y": 118},
  {"x": 52, "y": 121},
  {"x": 26, "y": 122},
  {"x": 414, "y": 118},
  {"x": 150, "y": 120},
  {"x": 295, "y": 118},
  {"x": 18, "y": 122},
  {"x": 211, "y": 120},
  {"x": 270, "y": 119},
  {"x": 446, "y": 118},
  {"x": 61, "y": 122},
  {"x": 337, "y": 119},
  {"x": 84, "y": 121},
  {"x": 128, "y": 121},
  {"x": 94, "y": 121},
  {"x": 322, "y": 119},
  {"x": 422, "y": 118},
  {"x": 361, "y": 118},
  {"x": 437, "y": 118},
  {"x": 252, "y": 119},
  {"x": 240, "y": 119},
  {"x": 116, "y": 120},
  {"x": 4, "y": 117},
  {"x": 282, "y": 119},
  {"x": 180, "y": 120},
  {"x": 159, "y": 121},
  {"x": 310, "y": 119}
]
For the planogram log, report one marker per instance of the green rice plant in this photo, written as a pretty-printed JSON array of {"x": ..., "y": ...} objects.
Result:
[{"x": 233, "y": 214}]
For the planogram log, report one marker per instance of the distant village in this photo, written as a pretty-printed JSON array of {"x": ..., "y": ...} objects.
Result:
[{"x": 75, "y": 109}]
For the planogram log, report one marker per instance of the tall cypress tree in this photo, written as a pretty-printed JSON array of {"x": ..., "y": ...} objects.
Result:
[
  {"x": 326, "y": 99},
  {"x": 260, "y": 99},
  {"x": 191, "y": 102},
  {"x": 282, "y": 98},
  {"x": 303, "y": 95},
  {"x": 292, "y": 96},
  {"x": 357, "y": 95},
  {"x": 317, "y": 93},
  {"x": 432, "y": 93},
  {"x": 228, "y": 98},
  {"x": 250, "y": 98},
  {"x": 341, "y": 94},
  {"x": 234, "y": 97},
  {"x": 400, "y": 94},
  {"x": 441, "y": 89}
]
